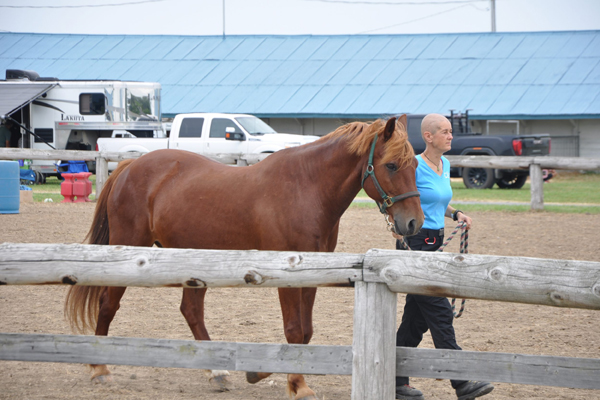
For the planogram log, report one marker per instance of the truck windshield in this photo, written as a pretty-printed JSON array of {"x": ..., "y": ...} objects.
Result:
[{"x": 255, "y": 126}]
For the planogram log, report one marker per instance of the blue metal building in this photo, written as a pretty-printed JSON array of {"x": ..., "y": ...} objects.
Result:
[{"x": 512, "y": 82}]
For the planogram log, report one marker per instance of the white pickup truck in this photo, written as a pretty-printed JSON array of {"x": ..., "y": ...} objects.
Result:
[{"x": 210, "y": 134}]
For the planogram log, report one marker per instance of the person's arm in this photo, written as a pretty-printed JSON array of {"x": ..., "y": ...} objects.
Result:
[{"x": 460, "y": 216}]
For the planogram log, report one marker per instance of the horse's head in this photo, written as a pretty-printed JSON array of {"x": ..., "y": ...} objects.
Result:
[{"x": 389, "y": 175}]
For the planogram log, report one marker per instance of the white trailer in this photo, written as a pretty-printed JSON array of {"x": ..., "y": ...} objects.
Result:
[{"x": 73, "y": 114}]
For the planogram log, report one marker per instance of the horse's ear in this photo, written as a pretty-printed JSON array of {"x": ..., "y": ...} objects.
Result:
[
  {"x": 402, "y": 121},
  {"x": 389, "y": 129}
]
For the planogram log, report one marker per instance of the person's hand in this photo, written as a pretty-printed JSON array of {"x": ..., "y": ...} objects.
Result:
[{"x": 462, "y": 217}]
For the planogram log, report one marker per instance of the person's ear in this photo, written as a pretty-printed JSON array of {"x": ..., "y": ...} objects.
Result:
[{"x": 428, "y": 136}]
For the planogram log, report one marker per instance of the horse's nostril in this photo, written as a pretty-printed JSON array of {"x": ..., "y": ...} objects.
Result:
[{"x": 412, "y": 226}]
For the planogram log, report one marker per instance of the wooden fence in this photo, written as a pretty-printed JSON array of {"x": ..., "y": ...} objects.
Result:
[
  {"x": 103, "y": 158},
  {"x": 372, "y": 360},
  {"x": 534, "y": 164}
]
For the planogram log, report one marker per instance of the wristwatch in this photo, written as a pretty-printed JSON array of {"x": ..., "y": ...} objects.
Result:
[{"x": 454, "y": 215}]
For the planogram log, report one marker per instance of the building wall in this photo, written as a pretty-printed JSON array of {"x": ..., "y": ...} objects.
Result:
[
  {"x": 307, "y": 126},
  {"x": 589, "y": 138}
]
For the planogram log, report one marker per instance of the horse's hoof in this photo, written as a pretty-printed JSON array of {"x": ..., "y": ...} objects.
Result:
[
  {"x": 221, "y": 382},
  {"x": 102, "y": 379},
  {"x": 252, "y": 377},
  {"x": 255, "y": 377},
  {"x": 305, "y": 395}
]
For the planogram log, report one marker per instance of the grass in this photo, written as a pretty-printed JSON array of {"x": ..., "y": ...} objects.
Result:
[{"x": 568, "y": 188}]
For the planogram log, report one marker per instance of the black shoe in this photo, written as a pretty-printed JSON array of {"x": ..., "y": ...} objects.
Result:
[
  {"x": 407, "y": 392},
  {"x": 471, "y": 389}
]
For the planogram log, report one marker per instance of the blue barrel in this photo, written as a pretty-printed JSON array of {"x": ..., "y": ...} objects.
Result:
[{"x": 9, "y": 187}]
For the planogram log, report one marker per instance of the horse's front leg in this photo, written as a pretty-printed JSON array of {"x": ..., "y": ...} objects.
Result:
[
  {"x": 296, "y": 383},
  {"x": 192, "y": 308},
  {"x": 290, "y": 300},
  {"x": 308, "y": 301},
  {"x": 296, "y": 308},
  {"x": 294, "y": 334}
]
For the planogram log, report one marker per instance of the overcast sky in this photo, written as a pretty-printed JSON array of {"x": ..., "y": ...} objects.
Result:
[{"x": 293, "y": 17}]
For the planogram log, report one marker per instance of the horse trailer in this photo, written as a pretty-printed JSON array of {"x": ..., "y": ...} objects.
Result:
[{"x": 49, "y": 113}]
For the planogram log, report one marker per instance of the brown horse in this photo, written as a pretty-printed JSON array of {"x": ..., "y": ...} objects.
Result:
[{"x": 293, "y": 200}]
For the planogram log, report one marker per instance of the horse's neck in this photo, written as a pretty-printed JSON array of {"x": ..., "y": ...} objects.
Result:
[{"x": 338, "y": 175}]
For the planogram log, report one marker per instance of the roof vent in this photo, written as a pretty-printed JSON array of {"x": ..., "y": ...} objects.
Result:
[{"x": 21, "y": 74}]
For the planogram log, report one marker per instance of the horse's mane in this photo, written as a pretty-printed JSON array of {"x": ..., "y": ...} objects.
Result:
[{"x": 359, "y": 137}]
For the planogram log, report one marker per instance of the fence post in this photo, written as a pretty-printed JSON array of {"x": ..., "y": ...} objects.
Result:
[
  {"x": 374, "y": 342},
  {"x": 537, "y": 187},
  {"x": 101, "y": 174}
]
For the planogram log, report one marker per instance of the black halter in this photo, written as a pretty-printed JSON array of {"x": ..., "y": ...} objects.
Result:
[{"x": 387, "y": 201}]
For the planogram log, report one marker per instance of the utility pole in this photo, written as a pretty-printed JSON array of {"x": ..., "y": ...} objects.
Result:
[
  {"x": 493, "y": 9},
  {"x": 223, "y": 19}
]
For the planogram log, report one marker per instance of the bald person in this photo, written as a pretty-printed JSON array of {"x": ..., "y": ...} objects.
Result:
[{"x": 423, "y": 313}]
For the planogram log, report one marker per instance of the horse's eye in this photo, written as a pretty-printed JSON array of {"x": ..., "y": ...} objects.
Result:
[{"x": 391, "y": 167}]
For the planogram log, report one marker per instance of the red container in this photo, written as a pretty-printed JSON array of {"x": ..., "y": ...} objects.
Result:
[
  {"x": 82, "y": 187},
  {"x": 66, "y": 188}
]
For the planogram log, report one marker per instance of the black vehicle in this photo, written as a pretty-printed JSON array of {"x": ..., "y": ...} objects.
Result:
[{"x": 467, "y": 143}]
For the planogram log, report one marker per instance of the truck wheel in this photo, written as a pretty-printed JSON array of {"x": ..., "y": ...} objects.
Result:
[
  {"x": 512, "y": 181},
  {"x": 39, "y": 178},
  {"x": 478, "y": 178}
]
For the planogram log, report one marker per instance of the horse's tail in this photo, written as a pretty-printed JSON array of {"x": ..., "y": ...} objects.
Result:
[{"x": 83, "y": 302}]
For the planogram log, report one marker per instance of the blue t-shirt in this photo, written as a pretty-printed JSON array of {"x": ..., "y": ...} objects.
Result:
[{"x": 435, "y": 191}]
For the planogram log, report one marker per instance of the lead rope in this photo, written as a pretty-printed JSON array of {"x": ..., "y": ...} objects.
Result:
[{"x": 464, "y": 249}]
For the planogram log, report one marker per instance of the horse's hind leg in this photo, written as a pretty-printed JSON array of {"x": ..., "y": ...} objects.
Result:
[
  {"x": 109, "y": 304},
  {"x": 192, "y": 308}
]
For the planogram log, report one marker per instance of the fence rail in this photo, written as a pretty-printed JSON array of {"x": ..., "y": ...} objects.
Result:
[
  {"x": 505, "y": 162},
  {"x": 103, "y": 158},
  {"x": 373, "y": 359},
  {"x": 301, "y": 359},
  {"x": 533, "y": 163},
  {"x": 574, "y": 284}
]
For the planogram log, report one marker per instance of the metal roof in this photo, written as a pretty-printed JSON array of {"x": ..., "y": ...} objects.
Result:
[{"x": 534, "y": 75}]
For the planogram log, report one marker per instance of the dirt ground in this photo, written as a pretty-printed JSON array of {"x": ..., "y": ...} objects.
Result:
[{"x": 253, "y": 315}]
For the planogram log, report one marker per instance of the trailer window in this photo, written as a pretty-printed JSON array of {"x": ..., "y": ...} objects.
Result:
[
  {"x": 191, "y": 127},
  {"x": 92, "y": 104},
  {"x": 44, "y": 135}
]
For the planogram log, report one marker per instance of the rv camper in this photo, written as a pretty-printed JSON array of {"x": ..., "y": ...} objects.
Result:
[{"x": 73, "y": 114}]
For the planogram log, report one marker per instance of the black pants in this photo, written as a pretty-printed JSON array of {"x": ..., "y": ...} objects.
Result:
[{"x": 422, "y": 313}]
